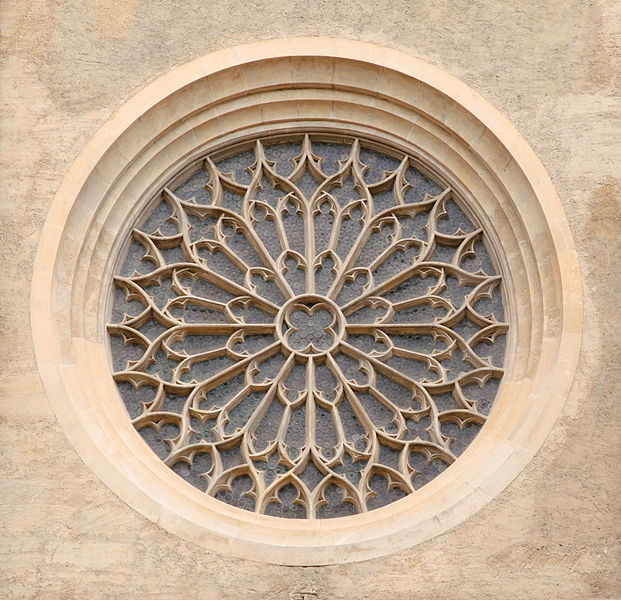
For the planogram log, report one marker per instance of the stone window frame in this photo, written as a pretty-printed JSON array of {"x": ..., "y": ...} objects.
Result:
[{"x": 273, "y": 87}]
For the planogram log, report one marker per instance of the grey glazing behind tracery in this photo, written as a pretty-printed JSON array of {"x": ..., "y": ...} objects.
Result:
[{"x": 408, "y": 387}]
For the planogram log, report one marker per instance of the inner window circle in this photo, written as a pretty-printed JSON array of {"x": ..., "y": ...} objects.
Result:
[{"x": 306, "y": 328}]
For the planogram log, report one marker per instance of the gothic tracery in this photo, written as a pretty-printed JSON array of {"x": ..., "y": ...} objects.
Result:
[{"x": 308, "y": 329}]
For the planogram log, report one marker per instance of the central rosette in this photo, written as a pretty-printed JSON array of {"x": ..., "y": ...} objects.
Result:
[{"x": 310, "y": 324}]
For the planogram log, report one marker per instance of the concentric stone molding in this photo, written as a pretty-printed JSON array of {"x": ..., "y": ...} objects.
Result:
[{"x": 274, "y": 88}]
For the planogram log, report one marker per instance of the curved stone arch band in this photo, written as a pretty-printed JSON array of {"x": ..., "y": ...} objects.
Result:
[{"x": 337, "y": 87}]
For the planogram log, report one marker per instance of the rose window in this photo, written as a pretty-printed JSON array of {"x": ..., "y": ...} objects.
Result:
[{"x": 309, "y": 327}]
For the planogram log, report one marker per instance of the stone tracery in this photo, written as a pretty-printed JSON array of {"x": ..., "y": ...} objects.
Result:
[{"x": 308, "y": 329}]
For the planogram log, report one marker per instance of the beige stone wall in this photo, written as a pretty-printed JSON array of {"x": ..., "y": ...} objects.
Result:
[{"x": 553, "y": 68}]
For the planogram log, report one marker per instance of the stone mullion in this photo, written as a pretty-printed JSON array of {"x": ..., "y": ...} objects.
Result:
[
  {"x": 254, "y": 422},
  {"x": 231, "y": 371}
]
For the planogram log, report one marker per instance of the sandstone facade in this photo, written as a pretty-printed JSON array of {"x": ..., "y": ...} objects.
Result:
[{"x": 551, "y": 68}]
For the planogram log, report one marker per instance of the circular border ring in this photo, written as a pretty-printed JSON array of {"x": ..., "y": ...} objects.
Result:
[{"x": 271, "y": 88}]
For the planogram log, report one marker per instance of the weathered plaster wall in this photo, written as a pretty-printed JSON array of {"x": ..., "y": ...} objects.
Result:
[{"x": 554, "y": 68}]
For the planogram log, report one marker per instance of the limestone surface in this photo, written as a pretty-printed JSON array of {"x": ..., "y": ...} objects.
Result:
[{"x": 551, "y": 67}]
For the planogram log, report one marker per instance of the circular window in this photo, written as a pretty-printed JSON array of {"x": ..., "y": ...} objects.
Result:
[
  {"x": 307, "y": 328},
  {"x": 330, "y": 280}
]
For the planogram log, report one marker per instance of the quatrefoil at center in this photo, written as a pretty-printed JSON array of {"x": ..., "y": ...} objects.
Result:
[{"x": 310, "y": 325}]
